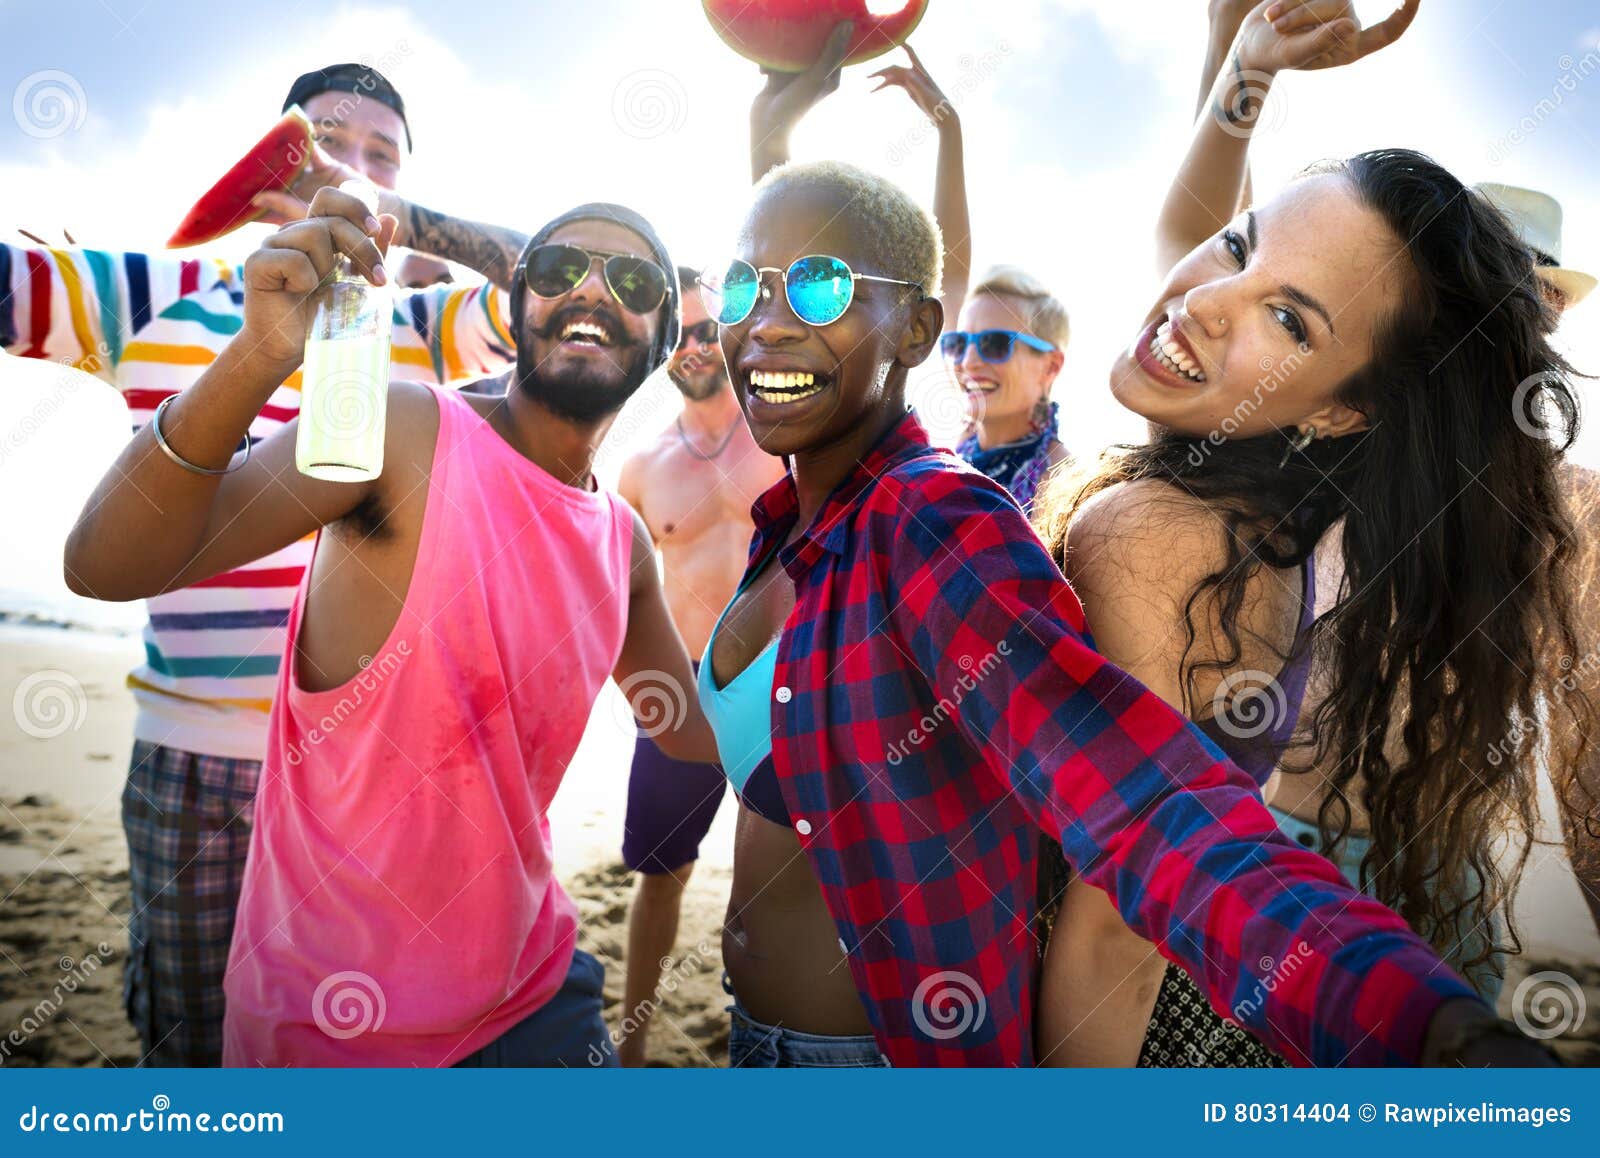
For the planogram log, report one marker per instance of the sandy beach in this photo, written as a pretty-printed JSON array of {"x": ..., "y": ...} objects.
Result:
[
  {"x": 64, "y": 880},
  {"x": 64, "y": 870}
]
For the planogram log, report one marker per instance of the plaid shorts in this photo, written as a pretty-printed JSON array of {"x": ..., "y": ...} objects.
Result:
[{"x": 188, "y": 820}]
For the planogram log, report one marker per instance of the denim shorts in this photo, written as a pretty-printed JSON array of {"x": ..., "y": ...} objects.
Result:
[
  {"x": 754, "y": 1045},
  {"x": 566, "y": 1031}
]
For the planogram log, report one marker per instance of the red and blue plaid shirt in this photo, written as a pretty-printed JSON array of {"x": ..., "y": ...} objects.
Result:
[{"x": 938, "y": 701}]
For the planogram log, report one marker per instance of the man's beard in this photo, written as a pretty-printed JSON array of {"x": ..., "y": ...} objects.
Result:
[
  {"x": 585, "y": 395},
  {"x": 701, "y": 386}
]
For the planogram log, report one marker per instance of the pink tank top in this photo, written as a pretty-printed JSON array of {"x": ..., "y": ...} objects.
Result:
[{"x": 399, "y": 906}]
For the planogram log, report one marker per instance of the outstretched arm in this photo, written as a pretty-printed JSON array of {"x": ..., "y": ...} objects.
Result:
[
  {"x": 151, "y": 525},
  {"x": 950, "y": 180},
  {"x": 1276, "y": 35},
  {"x": 1148, "y": 811},
  {"x": 492, "y": 250}
]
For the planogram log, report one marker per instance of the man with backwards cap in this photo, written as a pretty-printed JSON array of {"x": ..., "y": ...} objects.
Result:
[
  {"x": 148, "y": 324},
  {"x": 459, "y": 618}
]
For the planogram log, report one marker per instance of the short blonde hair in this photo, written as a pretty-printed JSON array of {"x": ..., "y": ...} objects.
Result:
[
  {"x": 900, "y": 237},
  {"x": 1046, "y": 316}
]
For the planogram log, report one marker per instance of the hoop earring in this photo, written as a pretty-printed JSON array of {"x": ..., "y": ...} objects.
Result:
[{"x": 1300, "y": 441}]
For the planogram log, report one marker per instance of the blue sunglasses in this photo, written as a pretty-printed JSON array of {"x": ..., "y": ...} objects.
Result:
[
  {"x": 819, "y": 288},
  {"x": 993, "y": 345}
]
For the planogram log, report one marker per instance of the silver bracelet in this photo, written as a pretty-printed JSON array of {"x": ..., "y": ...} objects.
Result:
[{"x": 155, "y": 425}]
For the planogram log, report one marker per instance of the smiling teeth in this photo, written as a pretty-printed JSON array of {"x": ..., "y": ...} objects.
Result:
[
  {"x": 586, "y": 330},
  {"x": 1173, "y": 356},
  {"x": 785, "y": 387},
  {"x": 764, "y": 380}
]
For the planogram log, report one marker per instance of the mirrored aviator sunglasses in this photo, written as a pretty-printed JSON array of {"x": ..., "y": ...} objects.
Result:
[
  {"x": 638, "y": 283},
  {"x": 819, "y": 289}
]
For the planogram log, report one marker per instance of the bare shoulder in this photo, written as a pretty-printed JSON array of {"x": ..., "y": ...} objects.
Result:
[
  {"x": 412, "y": 423},
  {"x": 1146, "y": 533}
]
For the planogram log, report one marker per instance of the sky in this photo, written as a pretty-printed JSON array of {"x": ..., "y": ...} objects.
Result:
[{"x": 1075, "y": 113}]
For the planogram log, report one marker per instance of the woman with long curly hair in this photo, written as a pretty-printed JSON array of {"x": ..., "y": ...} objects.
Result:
[{"x": 1342, "y": 365}]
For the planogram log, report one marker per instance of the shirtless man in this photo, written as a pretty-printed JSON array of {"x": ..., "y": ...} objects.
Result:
[{"x": 694, "y": 486}]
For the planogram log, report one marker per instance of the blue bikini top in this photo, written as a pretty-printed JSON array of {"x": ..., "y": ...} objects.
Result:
[{"x": 741, "y": 717}]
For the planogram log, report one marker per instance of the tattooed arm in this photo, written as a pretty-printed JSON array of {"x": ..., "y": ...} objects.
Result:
[
  {"x": 1274, "y": 36},
  {"x": 492, "y": 250}
]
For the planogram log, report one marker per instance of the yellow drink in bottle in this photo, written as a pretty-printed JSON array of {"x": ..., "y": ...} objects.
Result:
[
  {"x": 344, "y": 394},
  {"x": 344, "y": 381}
]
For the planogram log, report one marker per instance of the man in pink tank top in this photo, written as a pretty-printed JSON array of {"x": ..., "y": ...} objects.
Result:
[{"x": 460, "y": 615}]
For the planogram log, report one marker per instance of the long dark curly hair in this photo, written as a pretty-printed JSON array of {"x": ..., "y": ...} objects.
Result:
[{"x": 1455, "y": 605}]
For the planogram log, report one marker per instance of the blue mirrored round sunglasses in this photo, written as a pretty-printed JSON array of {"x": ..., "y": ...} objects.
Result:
[
  {"x": 819, "y": 289},
  {"x": 993, "y": 345}
]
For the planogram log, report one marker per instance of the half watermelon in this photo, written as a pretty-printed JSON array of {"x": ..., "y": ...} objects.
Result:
[
  {"x": 272, "y": 164},
  {"x": 788, "y": 35}
]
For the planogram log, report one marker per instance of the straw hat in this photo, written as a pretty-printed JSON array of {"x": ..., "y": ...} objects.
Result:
[{"x": 1536, "y": 217}]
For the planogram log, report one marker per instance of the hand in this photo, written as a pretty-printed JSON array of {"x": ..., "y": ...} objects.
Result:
[
  {"x": 1467, "y": 1033},
  {"x": 321, "y": 171},
  {"x": 1311, "y": 34},
  {"x": 919, "y": 86},
  {"x": 788, "y": 96},
  {"x": 282, "y": 277}
]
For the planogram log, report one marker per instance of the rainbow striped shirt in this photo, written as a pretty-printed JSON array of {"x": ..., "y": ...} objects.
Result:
[{"x": 149, "y": 325}]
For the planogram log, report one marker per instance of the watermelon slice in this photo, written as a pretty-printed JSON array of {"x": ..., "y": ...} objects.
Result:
[
  {"x": 272, "y": 163},
  {"x": 788, "y": 35}
]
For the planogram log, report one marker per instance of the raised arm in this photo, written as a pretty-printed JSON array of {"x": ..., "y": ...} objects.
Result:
[
  {"x": 787, "y": 97},
  {"x": 950, "y": 179},
  {"x": 1224, "y": 19},
  {"x": 1274, "y": 36},
  {"x": 151, "y": 525}
]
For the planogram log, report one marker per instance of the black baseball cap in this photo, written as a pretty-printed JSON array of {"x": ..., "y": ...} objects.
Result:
[{"x": 360, "y": 79}]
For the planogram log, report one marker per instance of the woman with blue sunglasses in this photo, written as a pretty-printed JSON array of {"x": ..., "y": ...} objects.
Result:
[
  {"x": 905, "y": 696},
  {"x": 1005, "y": 358}
]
